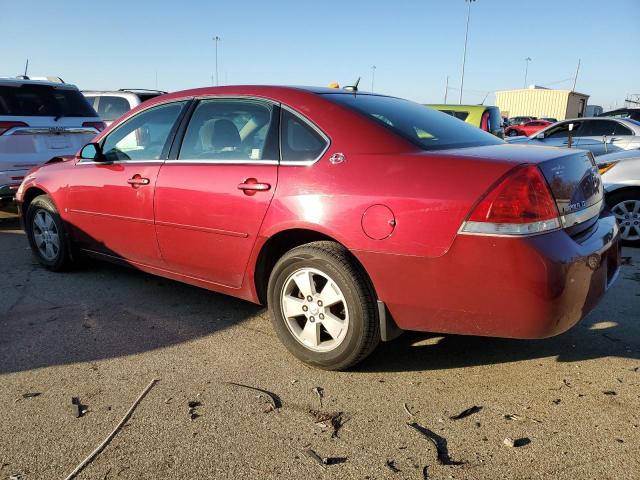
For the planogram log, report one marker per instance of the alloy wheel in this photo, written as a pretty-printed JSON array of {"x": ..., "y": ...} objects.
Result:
[
  {"x": 45, "y": 235},
  {"x": 627, "y": 214},
  {"x": 314, "y": 309}
]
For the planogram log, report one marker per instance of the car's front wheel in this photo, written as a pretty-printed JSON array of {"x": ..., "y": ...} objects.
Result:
[
  {"x": 625, "y": 206},
  {"x": 46, "y": 234},
  {"x": 323, "y": 307}
]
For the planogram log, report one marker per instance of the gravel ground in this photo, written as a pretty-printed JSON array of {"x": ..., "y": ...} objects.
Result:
[{"x": 103, "y": 332}]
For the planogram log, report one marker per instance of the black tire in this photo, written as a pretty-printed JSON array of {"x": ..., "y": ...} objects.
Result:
[
  {"x": 43, "y": 205},
  {"x": 513, "y": 133},
  {"x": 616, "y": 198},
  {"x": 363, "y": 330}
]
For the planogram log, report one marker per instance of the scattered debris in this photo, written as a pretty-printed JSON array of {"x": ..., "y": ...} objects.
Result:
[
  {"x": 556, "y": 401},
  {"x": 319, "y": 391},
  {"x": 466, "y": 413},
  {"x": 168, "y": 400},
  {"x": 106, "y": 441},
  {"x": 439, "y": 442},
  {"x": 515, "y": 416},
  {"x": 275, "y": 399},
  {"x": 31, "y": 394},
  {"x": 193, "y": 404},
  {"x": 406, "y": 409},
  {"x": 323, "y": 461},
  {"x": 391, "y": 465},
  {"x": 17, "y": 476},
  {"x": 518, "y": 442},
  {"x": 295, "y": 380},
  {"x": 334, "y": 418},
  {"x": 609, "y": 392},
  {"x": 619, "y": 440},
  {"x": 77, "y": 408}
]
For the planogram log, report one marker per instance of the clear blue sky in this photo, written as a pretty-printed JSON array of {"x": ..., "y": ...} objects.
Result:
[{"x": 414, "y": 44}]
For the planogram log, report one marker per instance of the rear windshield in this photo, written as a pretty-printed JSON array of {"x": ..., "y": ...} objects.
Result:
[
  {"x": 43, "y": 101},
  {"x": 425, "y": 127}
]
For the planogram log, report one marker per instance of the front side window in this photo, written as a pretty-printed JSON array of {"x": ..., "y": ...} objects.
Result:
[
  {"x": 301, "y": 142},
  {"x": 230, "y": 129},
  {"x": 562, "y": 130},
  {"x": 110, "y": 108},
  {"x": 144, "y": 136},
  {"x": 423, "y": 126}
]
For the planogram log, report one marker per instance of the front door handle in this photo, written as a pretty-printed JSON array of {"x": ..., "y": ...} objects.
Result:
[
  {"x": 137, "y": 180},
  {"x": 250, "y": 186}
]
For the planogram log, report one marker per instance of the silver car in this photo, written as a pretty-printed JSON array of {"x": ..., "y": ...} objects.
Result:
[
  {"x": 597, "y": 134},
  {"x": 621, "y": 177}
]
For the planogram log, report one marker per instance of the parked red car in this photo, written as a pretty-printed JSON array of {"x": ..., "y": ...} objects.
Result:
[
  {"x": 526, "y": 129},
  {"x": 352, "y": 215}
]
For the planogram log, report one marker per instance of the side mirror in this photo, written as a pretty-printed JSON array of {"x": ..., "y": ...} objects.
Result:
[{"x": 92, "y": 151}]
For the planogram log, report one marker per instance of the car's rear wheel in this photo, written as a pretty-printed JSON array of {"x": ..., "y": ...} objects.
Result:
[
  {"x": 323, "y": 307},
  {"x": 626, "y": 207},
  {"x": 513, "y": 133},
  {"x": 46, "y": 234}
]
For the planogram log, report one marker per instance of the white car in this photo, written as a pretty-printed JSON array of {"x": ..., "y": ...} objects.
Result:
[
  {"x": 40, "y": 120},
  {"x": 599, "y": 135},
  {"x": 112, "y": 104},
  {"x": 621, "y": 177}
]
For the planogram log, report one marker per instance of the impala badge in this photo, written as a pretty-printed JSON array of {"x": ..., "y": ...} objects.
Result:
[{"x": 337, "y": 158}]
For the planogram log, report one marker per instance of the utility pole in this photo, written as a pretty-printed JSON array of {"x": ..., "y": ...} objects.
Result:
[
  {"x": 575, "y": 79},
  {"x": 464, "y": 55},
  {"x": 526, "y": 70},
  {"x": 446, "y": 89},
  {"x": 217, "y": 39},
  {"x": 373, "y": 75}
]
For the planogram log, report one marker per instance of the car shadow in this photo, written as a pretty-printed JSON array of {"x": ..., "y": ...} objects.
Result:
[{"x": 102, "y": 311}]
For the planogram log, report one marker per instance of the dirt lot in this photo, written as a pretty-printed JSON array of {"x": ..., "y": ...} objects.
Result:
[{"x": 103, "y": 332}]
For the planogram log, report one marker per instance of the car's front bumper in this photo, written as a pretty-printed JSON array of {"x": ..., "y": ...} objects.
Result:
[{"x": 532, "y": 287}]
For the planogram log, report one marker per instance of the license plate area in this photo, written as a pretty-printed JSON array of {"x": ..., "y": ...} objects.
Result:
[{"x": 57, "y": 141}]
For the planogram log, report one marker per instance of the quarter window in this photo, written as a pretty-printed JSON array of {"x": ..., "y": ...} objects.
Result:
[
  {"x": 300, "y": 142},
  {"x": 144, "y": 136},
  {"x": 234, "y": 130}
]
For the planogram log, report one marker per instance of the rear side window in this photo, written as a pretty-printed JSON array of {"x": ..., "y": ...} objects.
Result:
[
  {"x": 234, "y": 130},
  {"x": 300, "y": 141},
  {"x": 43, "y": 101},
  {"x": 423, "y": 126},
  {"x": 459, "y": 115},
  {"x": 598, "y": 128},
  {"x": 110, "y": 108}
]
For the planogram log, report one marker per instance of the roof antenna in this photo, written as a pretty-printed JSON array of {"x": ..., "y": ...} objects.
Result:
[{"x": 354, "y": 87}]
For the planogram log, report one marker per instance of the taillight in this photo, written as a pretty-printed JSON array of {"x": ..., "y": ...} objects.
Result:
[
  {"x": 4, "y": 126},
  {"x": 97, "y": 125},
  {"x": 520, "y": 204}
]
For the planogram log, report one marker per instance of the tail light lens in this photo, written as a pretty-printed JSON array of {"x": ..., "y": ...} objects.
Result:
[
  {"x": 97, "y": 125},
  {"x": 4, "y": 126},
  {"x": 520, "y": 204}
]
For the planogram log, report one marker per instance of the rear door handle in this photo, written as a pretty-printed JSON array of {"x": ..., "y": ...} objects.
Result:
[
  {"x": 137, "y": 181},
  {"x": 250, "y": 186}
]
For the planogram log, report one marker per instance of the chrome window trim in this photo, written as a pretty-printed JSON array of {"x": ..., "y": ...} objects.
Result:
[
  {"x": 221, "y": 162},
  {"x": 326, "y": 138},
  {"x": 571, "y": 219},
  {"x": 87, "y": 161}
]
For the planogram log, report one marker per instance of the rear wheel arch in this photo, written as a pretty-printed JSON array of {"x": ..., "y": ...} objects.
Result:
[{"x": 279, "y": 244}]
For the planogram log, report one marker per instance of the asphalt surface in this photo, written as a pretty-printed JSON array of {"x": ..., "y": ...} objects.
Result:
[{"x": 102, "y": 333}]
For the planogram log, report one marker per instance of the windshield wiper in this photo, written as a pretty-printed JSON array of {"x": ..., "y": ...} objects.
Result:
[{"x": 74, "y": 114}]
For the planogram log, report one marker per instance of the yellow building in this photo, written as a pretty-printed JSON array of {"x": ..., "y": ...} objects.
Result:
[{"x": 541, "y": 102}]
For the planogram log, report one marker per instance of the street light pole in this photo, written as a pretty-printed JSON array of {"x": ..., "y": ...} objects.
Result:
[
  {"x": 464, "y": 55},
  {"x": 373, "y": 75},
  {"x": 217, "y": 39},
  {"x": 526, "y": 70}
]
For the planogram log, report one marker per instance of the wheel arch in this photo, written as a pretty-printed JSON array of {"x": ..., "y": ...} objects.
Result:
[
  {"x": 280, "y": 243},
  {"x": 27, "y": 197}
]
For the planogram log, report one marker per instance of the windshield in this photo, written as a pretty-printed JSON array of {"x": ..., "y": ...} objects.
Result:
[
  {"x": 43, "y": 101},
  {"x": 425, "y": 127}
]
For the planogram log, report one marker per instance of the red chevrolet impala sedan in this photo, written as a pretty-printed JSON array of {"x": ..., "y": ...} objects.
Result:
[{"x": 354, "y": 216}]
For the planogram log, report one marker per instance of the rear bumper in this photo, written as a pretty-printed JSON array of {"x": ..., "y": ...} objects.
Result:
[
  {"x": 531, "y": 287},
  {"x": 10, "y": 180}
]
